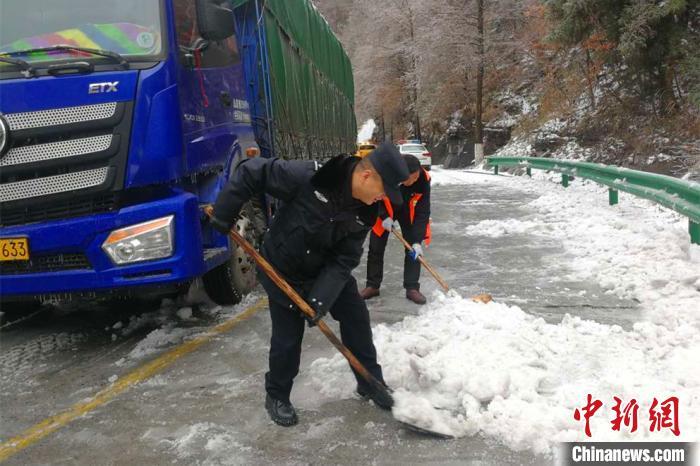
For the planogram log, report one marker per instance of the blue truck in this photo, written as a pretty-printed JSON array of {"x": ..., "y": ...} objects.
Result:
[{"x": 120, "y": 120}]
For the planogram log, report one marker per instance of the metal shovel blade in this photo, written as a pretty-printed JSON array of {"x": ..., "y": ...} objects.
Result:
[{"x": 423, "y": 431}]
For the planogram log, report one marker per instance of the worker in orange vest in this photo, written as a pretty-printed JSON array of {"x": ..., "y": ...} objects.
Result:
[{"x": 414, "y": 217}]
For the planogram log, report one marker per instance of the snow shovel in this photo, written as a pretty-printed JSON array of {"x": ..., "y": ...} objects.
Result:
[
  {"x": 322, "y": 326},
  {"x": 481, "y": 298}
]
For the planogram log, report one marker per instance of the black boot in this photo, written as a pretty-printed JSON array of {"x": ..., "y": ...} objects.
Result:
[
  {"x": 381, "y": 398},
  {"x": 280, "y": 412}
]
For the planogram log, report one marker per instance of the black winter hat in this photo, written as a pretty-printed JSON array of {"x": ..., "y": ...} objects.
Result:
[
  {"x": 412, "y": 163},
  {"x": 387, "y": 160}
]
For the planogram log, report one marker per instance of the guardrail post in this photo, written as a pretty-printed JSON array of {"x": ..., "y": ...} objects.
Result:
[
  {"x": 565, "y": 180},
  {"x": 612, "y": 196},
  {"x": 529, "y": 172},
  {"x": 694, "y": 230},
  {"x": 495, "y": 169}
]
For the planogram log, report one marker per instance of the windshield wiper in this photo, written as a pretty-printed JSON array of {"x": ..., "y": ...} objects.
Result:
[
  {"x": 67, "y": 48},
  {"x": 27, "y": 70}
]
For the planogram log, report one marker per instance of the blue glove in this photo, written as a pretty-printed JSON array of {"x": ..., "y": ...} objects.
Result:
[
  {"x": 388, "y": 224},
  {"x": 416, "y": 251}
]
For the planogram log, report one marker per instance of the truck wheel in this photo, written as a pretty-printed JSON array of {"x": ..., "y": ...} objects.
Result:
[{"x": 227, "y": 283}]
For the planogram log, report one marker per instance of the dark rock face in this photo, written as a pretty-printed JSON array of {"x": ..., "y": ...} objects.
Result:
[
  {"x": 495, "y": 138},
  {"x": 460, "y": 153}
]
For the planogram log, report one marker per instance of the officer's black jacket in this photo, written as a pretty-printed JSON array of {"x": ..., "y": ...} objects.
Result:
[
  {"x": 315, "y": 239},
  {"x": 422, "y": 208}
]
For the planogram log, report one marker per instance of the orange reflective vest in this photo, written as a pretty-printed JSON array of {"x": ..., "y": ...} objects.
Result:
[{"x": 379, "y": 230}]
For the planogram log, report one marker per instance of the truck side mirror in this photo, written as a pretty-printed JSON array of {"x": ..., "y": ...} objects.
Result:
[{"x": 215, "y": 19}]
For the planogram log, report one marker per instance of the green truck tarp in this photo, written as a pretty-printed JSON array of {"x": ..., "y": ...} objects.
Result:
[{"x": 311, "y": 80}]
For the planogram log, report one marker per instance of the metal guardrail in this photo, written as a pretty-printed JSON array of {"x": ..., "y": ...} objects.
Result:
[{"x": 679, "y": 195}]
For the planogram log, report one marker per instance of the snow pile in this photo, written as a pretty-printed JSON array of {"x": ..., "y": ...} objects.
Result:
[
  {"x": 174, "y": 322},
  {"x": 460, "y": 367}
]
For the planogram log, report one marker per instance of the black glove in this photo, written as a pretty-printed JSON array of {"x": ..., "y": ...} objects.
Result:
[
  {"x": 219, "y": 225},
  {"x": 320, "y": 313}
]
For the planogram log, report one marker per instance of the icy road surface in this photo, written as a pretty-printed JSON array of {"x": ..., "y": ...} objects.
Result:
[{"x": 589, "y": 299}]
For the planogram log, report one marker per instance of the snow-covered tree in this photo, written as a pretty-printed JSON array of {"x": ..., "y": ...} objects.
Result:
[{"x": 649, "y": 40}]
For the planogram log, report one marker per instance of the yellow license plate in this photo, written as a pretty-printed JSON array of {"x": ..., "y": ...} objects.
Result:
[{"x": 14, "y": 249}]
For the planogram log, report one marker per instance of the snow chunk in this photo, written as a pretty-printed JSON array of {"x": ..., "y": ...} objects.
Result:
[
  {"x": 157, "y": 340},
  {"x": 184, "y": 313}
]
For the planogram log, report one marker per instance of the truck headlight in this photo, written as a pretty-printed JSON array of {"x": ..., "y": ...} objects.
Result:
[{"x": 142, "y": 242}]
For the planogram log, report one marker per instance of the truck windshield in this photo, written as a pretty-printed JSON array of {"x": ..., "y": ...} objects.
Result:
[{"x": 131, "y": 28}]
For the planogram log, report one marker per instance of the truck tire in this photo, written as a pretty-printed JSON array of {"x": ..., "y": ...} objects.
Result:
[{"x": 227, "y": 283}]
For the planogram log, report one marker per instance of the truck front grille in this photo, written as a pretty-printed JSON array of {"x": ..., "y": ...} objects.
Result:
[
  {"x": 56, "y": 150},
  {"x": 58, "y": 155},
  {"x": 55, "y": 210},
  {"x": 53, "y": 184},
  {"x": 60, "y": 116},
  {"x": 43, "y": 264}
]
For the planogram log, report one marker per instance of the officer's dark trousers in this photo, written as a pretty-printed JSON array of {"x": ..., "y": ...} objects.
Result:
[
  {"x": 375, "y": 260},
  {"x": 288, "y": 330}
]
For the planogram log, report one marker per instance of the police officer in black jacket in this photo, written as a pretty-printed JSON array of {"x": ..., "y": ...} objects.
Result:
[{"x": 315, "y": 241}]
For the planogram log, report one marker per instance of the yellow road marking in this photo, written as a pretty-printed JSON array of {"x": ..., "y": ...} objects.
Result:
[{"x": 53, "y": 423}]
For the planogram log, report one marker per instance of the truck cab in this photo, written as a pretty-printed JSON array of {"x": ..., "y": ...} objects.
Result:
[{"x": 119, "y": 121}]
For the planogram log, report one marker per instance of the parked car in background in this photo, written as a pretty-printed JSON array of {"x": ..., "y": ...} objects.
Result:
[
  {"x": 417, "y": 149},
  {"x": 364, "y": 149}
]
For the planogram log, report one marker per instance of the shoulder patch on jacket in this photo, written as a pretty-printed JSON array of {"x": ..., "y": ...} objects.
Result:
[{"x": 321, "y": 197}]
